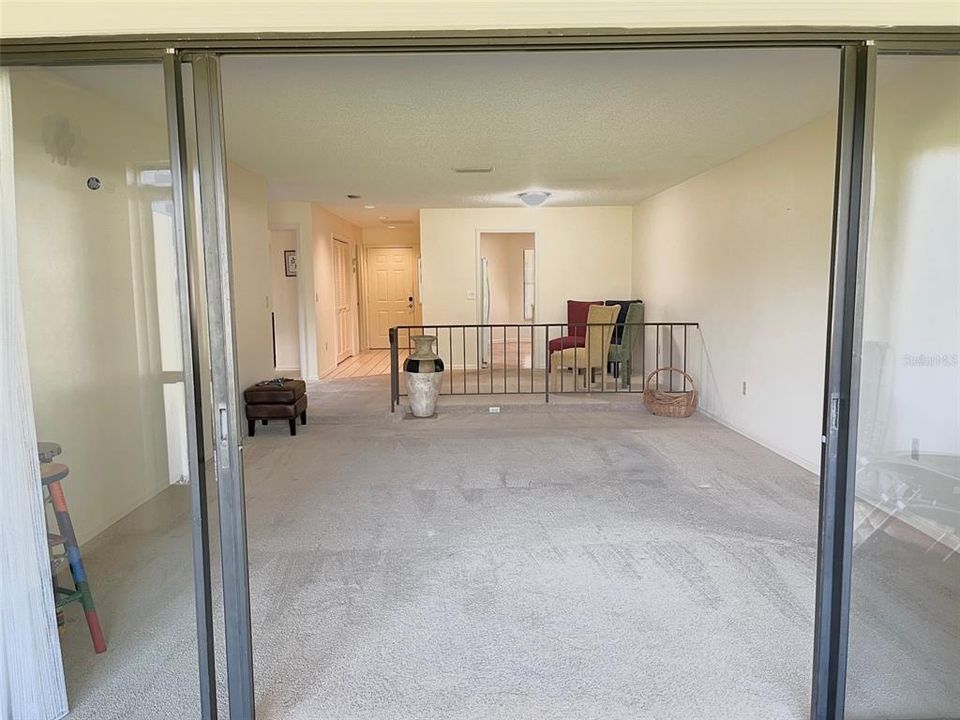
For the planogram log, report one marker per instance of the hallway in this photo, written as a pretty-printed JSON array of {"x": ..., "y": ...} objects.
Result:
[{"x": 367, "y": 363}]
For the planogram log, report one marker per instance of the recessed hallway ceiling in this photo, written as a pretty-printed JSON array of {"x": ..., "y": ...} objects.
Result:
[{"x": 595, "y": 128}]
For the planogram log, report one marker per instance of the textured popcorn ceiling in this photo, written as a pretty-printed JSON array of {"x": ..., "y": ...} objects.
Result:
[{"x": 594, "y": 128}]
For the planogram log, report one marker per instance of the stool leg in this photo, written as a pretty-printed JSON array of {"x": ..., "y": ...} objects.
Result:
[
  {"x": 251, "y": 427},
  {"x": 303, "y": 418},
  {"x": 76, "y": 566},
  {"x": 293, "y": 426}
]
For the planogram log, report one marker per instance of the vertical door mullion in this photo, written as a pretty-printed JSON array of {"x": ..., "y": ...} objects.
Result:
[
  {"x": 199, "y": 523},
  {"x": 226, "y": 424},
  {"x": 842, "y": 381}
]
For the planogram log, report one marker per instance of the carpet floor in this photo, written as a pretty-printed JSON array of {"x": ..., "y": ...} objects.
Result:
[{"x": 578, "y": 560}]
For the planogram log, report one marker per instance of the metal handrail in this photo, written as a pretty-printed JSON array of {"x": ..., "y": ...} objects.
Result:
[{"x": 452, "y": 338}]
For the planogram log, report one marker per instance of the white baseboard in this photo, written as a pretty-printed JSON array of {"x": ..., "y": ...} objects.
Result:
[
  {"x": 291, "y": 370},
  {"x": 796, "y": 460}
]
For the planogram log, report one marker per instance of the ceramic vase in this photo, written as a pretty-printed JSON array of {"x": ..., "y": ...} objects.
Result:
[{"x": 424, "y": 373}]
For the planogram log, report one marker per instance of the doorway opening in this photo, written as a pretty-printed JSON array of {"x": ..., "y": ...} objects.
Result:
[
  {"x": 285, "y": 302},
  {"x": 345, "y": 290},
  {"x": 507, "y": 297}
]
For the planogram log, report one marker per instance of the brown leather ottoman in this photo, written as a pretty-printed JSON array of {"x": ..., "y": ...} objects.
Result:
[{"x": 276, "y": 401}]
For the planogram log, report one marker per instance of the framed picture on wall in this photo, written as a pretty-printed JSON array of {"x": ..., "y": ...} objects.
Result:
[{"x": 290, "y": 263}]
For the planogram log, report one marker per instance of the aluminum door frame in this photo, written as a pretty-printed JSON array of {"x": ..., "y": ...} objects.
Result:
[{"x": 227, "y": 438}]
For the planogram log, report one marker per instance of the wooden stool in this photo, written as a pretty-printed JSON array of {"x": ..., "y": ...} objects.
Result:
[{"x": 51, "y": 474}]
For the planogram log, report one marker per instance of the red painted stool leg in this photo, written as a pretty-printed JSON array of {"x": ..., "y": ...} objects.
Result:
[{"x": 76, "y": 565}]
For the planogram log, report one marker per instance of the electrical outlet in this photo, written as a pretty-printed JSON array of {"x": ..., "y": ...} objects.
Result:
[
  {"x": 471, "y": 295},
  {"x": 743, "y": 387},
  {"x": 915, "y": 449}
]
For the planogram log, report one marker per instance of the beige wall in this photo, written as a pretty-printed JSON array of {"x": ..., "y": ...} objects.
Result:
[
  {"x": 401, "y": 236},
  {"x": 744, "y": 249},
  {"x": 250, "y": 254},
  {"x": 582, "y": 252},
  {"x": 297, "y": 217},
  {"x": 316, "y": 227},
  {"x": 88, "y": 287},
  {"x": 504, "y": 253},
  {"x": 284, "y": 302},
  {"x": 326, "y": 227},
  {"x": 39, "y": 18}
]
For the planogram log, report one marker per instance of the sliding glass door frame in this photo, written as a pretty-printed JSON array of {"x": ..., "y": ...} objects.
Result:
[
  {"x": 858, "y": 47},
  {"x": 852, "y": 209},
  {"x": 842, "y": 381},
  {"x": 187, "y": 280},
  {"x": 227, "y": 437}
]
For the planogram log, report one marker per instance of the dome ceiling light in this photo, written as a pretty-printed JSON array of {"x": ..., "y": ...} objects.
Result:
[{"x": 533, "y": 198}]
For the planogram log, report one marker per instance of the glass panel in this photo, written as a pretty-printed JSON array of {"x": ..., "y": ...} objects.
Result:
[
  {"x": 905, "y": 606},
  {"x": 96, "y": 261}
]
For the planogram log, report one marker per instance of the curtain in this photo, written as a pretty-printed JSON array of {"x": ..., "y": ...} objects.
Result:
[{"x": 31, "y": 669}]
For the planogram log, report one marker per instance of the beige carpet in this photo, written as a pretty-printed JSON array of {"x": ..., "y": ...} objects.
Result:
[{"x": 577, "y": 560}]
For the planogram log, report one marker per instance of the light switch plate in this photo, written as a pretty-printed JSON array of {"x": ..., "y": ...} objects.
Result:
[{"x": 471, "y": 294}]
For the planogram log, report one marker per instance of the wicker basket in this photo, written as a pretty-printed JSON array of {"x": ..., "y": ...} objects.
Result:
[{"x": 678, "y": 403}]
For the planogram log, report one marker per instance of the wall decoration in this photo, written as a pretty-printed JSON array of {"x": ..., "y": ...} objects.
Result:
[{"x": 290, "y": 263}]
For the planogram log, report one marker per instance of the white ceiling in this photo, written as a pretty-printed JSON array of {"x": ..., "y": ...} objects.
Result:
[{"x": 594, "y": 128}]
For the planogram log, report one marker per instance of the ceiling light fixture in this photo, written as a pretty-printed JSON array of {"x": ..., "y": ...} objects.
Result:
[
  {"x": 369, "y": 207},
  {"x": 391, "y": 227},
  {"x": 533, "y": 198},
  {"x": 353, "y": 196}
]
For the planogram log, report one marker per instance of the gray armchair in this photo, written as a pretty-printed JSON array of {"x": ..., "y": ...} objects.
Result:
[{"x": 620, "y": 355}]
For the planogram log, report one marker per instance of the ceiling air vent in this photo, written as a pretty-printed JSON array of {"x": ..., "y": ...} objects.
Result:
[
  {"x": 401, "y": 221},
  {"x": 473, "y": 170}
]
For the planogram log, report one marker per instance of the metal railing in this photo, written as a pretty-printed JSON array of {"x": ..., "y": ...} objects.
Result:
[{"x": 516, "y": 359}]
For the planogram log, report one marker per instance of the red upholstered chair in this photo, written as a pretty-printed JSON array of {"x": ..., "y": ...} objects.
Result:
[{"x": 576, "y": 326}]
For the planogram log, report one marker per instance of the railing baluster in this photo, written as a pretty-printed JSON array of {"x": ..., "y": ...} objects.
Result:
[
  {"x": 504, "y": 336},
  {"x": 532, "y": 360},
  {"x": 524, "y": 333},
  {"x": 657, "y": 366},
  {"x": 671, "y": 358},
  {"x": 518, "y": 359},
  {"x": 477, "y": 361},
  {"x": 394, "y": 370}
]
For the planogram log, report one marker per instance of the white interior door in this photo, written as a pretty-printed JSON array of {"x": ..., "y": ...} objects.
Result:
[
  {"x": 390, "y": 298},
  {"x": 341, "y": 280}
]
